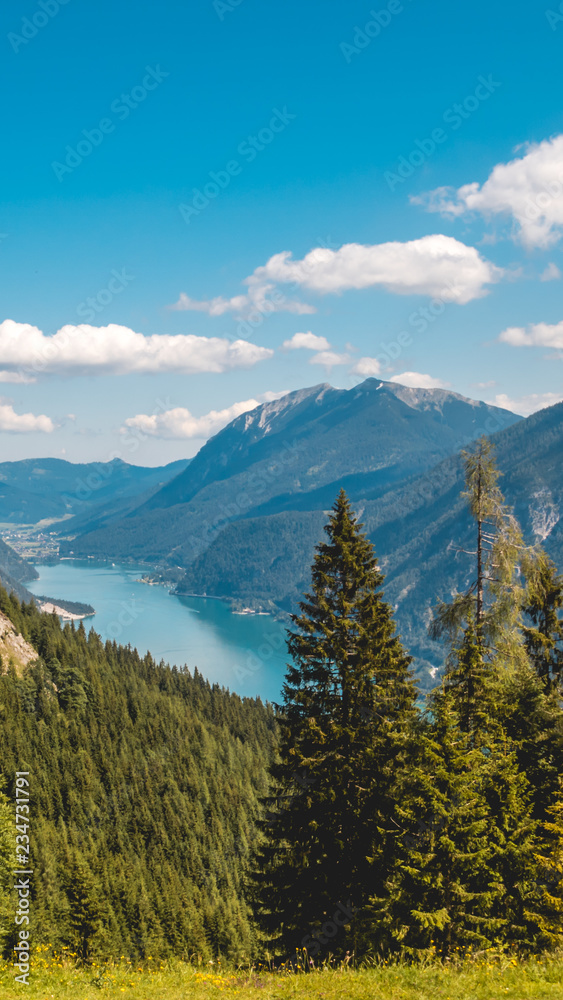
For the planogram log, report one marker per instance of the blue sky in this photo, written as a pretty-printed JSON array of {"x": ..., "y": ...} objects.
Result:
[{"x": 159, "y": 156}]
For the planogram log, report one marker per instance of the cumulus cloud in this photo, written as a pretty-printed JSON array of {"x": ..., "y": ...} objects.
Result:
[
  {"x": 262, "y": 298},
  {"x": 309, "y": 341},
  {"x": 179, "y": 423},
  {"x": 23, "y": 423},
  {"x": 439, "y": 266},
  {"x": 535, "y": 335},
  {"x": 435, "y": 265},
  {"x": 528, "y": 189},
  {"x": 527, "y": 404},
  {"x": 416, "y": 380},
  {"x": 551, "y": 273},
  {"x": 366, "y": 367},
  {"x": 117, "y": 350}
]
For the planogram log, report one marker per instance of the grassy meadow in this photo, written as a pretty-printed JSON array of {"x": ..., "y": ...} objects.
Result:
[{"x": 54, "y": 977}]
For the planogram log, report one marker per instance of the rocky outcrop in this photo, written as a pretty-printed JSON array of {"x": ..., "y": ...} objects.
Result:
[{"x": 13, "y": 646}]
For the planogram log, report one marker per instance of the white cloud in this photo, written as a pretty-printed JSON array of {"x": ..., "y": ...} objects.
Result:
[
  {"x": 416, "y": 380},
  {"x": 261, "y": 298},
  {"x": 527, "y": 404},
  {"x": 551, "y": 273},
  {"x": 117, "y": 350},
  {"x": 309, "y": 341},
  {"x": 528, "y": 189},
  {"x": 24, "y": 423},
  {"x": 536, "y": 335},
  {"x": 329, "y": 359},
  {"x": 439, "y": 266},
  {"x": 179, "y": 423},
  {"x": 366, "y": 367}
]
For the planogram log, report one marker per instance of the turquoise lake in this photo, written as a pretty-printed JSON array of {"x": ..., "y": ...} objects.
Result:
[{"x": 245, "y": 653}]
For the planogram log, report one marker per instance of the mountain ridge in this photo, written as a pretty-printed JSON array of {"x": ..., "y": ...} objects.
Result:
[
  {"x": 295, "y": 445},
  {"x": 34, "y": 489}
]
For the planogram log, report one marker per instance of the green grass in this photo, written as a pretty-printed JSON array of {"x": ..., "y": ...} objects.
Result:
[{"x": 53, "y": 978}]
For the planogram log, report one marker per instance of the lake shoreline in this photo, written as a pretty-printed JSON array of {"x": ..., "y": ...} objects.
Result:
[
  {"x": 51, "y": 608},
  {"x": 205, "y": 632}
]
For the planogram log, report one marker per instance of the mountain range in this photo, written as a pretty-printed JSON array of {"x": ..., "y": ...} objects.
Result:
[
  {"x": 36, "y": 489},
  {"x": 290, "y": 454},
  {"x": 52, "y": 490},
  {"x": 241, "y": 520}
]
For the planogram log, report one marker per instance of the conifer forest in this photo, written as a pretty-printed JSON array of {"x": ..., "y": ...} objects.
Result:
[{"x": 358, "y": 819}]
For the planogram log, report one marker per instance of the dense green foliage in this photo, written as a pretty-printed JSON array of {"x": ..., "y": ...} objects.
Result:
[
  {"x": 441, "y": 832},
  {"x": 171, "y": 817},
  {"x": 217, "y": 571},
  {"x": 348, "y": 702},
  {"x": 144, "y": 784}
]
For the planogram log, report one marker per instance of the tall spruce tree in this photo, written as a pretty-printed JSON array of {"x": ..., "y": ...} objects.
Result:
[{"x": 348, "y": 702}]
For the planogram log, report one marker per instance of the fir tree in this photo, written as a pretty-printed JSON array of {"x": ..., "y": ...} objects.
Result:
[
  {"x": 468, "y": 678},
  {"x": 84, "y": 908},
  {"x": 348, "y": 703}
]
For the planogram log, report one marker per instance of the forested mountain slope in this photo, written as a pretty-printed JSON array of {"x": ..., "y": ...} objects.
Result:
[
  {"x": 15, "y": 571},
  {"x": 144, "y": 783}
]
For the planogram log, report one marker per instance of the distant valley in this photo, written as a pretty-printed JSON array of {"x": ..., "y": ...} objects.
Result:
[
  {"x": 33, "y": 490},
  {"x": 37, "y": 496}
]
